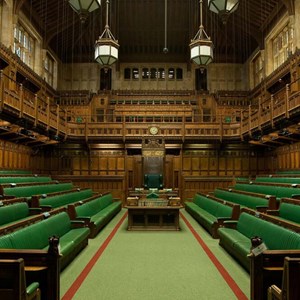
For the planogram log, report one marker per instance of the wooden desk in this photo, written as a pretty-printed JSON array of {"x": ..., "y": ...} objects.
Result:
[{"x": 153, "y": 217}]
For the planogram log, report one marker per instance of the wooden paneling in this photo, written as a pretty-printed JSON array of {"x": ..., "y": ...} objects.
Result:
[{"x": 14, "y": 156}]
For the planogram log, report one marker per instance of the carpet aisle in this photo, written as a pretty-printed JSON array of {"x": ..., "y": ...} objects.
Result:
[{"x": 152, "y": 265}]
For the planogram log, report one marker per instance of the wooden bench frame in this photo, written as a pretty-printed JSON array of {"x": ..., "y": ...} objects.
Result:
[
  {"x": 40, "y": 266},
  {"x": 267, "y": 269}
]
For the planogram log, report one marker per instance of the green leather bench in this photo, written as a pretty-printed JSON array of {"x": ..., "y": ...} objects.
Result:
[
  {"x": 49, "y": 202},
  {"x": 96, "y": 211},
  {"x": 289, "y": 209},
  {"x": 16, "y": 211},
  {"x": 236, "y": 236},
  {"x": 73, "y": 236},
  {"x": 279, "y": 179},
  {"x": 211, "y": 212},
  {"x": 246, "y": 199},
  {"x": 15, "y": 172},
  {"x": 279, "y": 191},
  {"x": 27, "y": 190},
  {"x": 23, "y": 179}
]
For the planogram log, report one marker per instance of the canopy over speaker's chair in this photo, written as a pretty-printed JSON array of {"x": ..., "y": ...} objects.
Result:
[
  {"x": 153, "y": 181},
  {"x": 13, "y": 281}
]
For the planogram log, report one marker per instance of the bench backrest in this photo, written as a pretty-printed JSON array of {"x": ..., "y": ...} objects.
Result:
[
  {"x": 64, "y": 199},
  {"x": 213, "y": 207},
  {"x": 89, "y": 208},
  {"x": 12, "y": 179},
  {"x": 274, "y": 236},
  {"x": 13, "y": 212},
  {"x": 244, "y": 200},
  {"x": 278, "y": 191},
  {"x": 29, "y": 190},
  {"x": 289, "y": 212},
  {"x": 278, "y": 179}
]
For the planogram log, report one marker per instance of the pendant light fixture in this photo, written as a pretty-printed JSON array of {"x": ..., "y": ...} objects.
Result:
[
  {"x": 84, "y": 7},
  {"x": 201, "y": 46},
  {"x": 106, "y": 47},
  {"x": 223, "y": 8}
]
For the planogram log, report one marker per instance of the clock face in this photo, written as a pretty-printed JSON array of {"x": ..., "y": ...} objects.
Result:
[{"x": 153, "y": 130}]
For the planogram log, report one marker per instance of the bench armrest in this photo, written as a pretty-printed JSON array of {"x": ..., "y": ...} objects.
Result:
[
  {"x": 86, "y": 220},
  {"x": 221, "y": 220},
  {"x": 32, "y": 288},
  {"x": 230, "y": 224},
  {"x": 35, "y": 210},
  {"x": 77, "y": 224},
  {"x": 273, "y": 212},
  {"x": 46, "y": 207},
  {"x": 261, "y": 208}
]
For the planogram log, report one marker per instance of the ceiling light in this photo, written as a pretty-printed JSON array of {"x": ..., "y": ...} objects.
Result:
[
  {"x": 106, "y": 48},
  {"x": 223, "y": 7},
  {"x": 201, "y": 46},
  {"x": 84, "y": 7}
]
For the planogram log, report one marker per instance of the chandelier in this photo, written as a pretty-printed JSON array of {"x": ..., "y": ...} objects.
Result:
[
  {"x": 201, "y": 46},
  {"x": 84, "y": 7},
  {"x": 223, "y": 7},
  {"x": 106, "y": 47}
]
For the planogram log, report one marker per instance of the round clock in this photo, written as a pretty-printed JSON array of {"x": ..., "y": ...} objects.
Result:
[{"x": 153, "y": 130}]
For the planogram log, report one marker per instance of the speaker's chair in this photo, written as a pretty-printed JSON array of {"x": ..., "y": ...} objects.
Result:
[{"x": 153, "y": 181}]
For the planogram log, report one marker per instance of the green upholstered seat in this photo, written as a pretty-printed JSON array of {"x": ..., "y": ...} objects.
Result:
[{"x": 153, "y": 181}]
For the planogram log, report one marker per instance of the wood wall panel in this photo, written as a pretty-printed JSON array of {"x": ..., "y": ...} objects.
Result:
[{"x": 15, "y": 156}]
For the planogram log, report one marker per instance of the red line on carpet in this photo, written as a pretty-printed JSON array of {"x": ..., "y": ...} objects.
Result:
[
  {"x": 82, "y": 276},
  {"x": 232, "y": 284}
]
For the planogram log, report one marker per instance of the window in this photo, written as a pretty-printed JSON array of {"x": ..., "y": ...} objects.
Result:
[
  {"x": 153, "y": 73},
  {"x": 24, "y": 45},
  {"x": 145, "y": 73},
  {"x": 179, "y": 74},
  {"x": 126, "y": 73},
  {"x": 171, "y": 73},
  {"x": 257, "y": 69},
  {"x": 49, "y": 69},
  {"x": 135, "y": 73},
  {"x": 282, "y": 46},
  {"x": 161, "y": 73}
]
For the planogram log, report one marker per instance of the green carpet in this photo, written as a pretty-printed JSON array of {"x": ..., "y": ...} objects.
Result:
[{"x": 154, "y": 265}]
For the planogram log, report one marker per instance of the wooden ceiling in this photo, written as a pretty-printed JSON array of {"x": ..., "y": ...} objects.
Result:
[{"x": 139, "y": 26}]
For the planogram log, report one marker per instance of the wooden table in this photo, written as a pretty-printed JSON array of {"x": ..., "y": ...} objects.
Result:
[{"x": 153, "y": 217}]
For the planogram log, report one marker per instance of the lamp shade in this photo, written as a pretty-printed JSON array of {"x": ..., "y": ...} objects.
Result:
[
  {"x": 201, "y": 52},
  {"x": 84, "y": 7},
  {"x": 106, "y": 51},
  {"x": 223, "y": 7}
]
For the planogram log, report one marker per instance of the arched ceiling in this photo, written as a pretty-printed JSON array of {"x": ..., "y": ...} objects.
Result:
[{"x": 139, "y": 26}]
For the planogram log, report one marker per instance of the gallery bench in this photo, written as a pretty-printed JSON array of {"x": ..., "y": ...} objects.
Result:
[
  {"x": 96, "y": 211},
  {"x": 73, "y": 235},
  {"x": 211, "y": 212},
  {"x": 236, "y": 236},
  {"x": 252, "y": 200}
]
